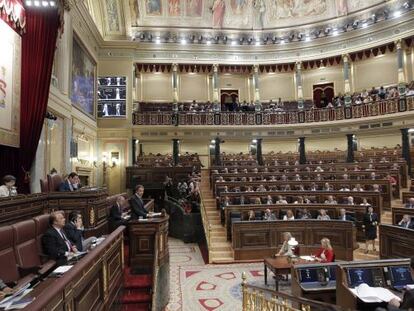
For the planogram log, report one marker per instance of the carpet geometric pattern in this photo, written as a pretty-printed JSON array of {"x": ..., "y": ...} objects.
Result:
[{"x": 196, "y": 286}]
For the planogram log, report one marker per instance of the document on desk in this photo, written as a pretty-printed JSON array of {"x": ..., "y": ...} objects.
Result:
[
  {"x": 13, "y": 301},
  {"x": 307, "y": 258},
  {"x": 373, "y": 294},
  {"x": 409, "y": 286},
  {"x": 62, "y": 269}
]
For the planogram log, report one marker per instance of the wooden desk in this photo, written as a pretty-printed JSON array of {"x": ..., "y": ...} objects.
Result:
[
  {"x": 279, "y": 265},
  {"x": 94, "y": 283},
  {"x": 22, "y": 207},
  {"x": 399, "y": 212},
  {"x": 252, "y": 240},
  {"x": 396, "y": 242},
  {"x": 148, "y": 253},
  {"x": 406, "y": 195}
]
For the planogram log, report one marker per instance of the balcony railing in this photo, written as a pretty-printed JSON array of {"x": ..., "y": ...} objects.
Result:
[{"x": 372, "y": 109}]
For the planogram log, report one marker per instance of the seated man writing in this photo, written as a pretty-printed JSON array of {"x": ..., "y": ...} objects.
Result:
[{"x": 55, "y": 243}]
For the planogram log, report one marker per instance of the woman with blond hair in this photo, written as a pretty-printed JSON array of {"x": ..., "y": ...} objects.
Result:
[{"x": 325, "y": 252}]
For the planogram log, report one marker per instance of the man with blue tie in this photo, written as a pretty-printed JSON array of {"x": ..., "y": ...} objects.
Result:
[
  {"x": 137, "y": 204},
  {"x": 55, "y": 243}
]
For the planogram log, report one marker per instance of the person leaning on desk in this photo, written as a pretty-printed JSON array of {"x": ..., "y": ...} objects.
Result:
[{"x": 407, "y": 303}]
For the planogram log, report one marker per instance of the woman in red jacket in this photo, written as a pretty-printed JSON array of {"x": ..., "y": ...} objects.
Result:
[{"x": 325, "y": 253}]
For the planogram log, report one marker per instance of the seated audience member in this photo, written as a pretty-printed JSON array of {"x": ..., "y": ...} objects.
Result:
[
  {"x": 285, "y": 247},
  {"x": 257, "y": 201},
  {"x": 74, "y": 232},
  {"x": 350, "y": 201},
  {"x": 365, "y": 202},
  {"x": 327, "y": 187},
  {"x": 345, "y": 177},
  {"x": 407, "y": 303},
  {"x": 115, "y": 218},
  {"x": 280, "y": 200},
  {"x": 7, "y": 188},
  {"x": 305, "y": 214},
  {"x": 318, "y": 177},
  {"x": 226, "y": 202},
  {"x": 269, "y": 200},
  {"x": 373, "y": 176},
  {"x": 261, "y": 188},
  {"x": 300, "y": 188},
  {"x": 289, "y": 215},
  {"x": 344, "y": 216},
  {"x": 323, "y": 215},
  {"x": 344, "y": 188},
  {"x": 406, "y": 222},
  {"x": 370, "y": 167},
  {"x": 313, "y": 187},
  {"x": 376, "y": 188},
  {"x": 325, "y": 253},
  {"x": 71, "y": 183},
  {"x": 299, "y": 200},
  {"x": 4, "y": 290},
  {"x": 358, "y": 188},
  {"x": 55, "y": 243},
  {"x": 252, "y": 215},
  {"x": 287, "y": 188},
  {"x": 242, "y": 200},
  {"x": 318, "y": 169},
  {"x": 392, "y": 180},
  {"x": 330, "y": 200},
  {"x": 268, "y": 215},
  {"x": 410, "y": 203},
  {"x": 137, "y": 204}
]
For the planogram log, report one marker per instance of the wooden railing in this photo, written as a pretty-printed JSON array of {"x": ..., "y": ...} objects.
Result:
[
  {"x": 206, "y": 225},
  {"x": 261, "y": 299},
  {"x": 372, "y": 109}
]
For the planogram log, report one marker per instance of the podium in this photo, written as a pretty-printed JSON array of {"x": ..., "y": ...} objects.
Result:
[{"x": 148, "y": 254}]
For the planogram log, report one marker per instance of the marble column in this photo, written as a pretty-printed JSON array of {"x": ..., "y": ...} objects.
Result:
[
  {"x": 175, "y": 86},
  {"x": 259, "y": 155},
  {"x": 176, "y": 151},
  {"x": 217, "y": 155},
  {"x": 402, "y": 82},
  {"x": 215, "y": 82},
  {"x": 302, "y": 152},
  {"x": 350, "y": 149},
  {"x": 257, "y": 103},
  {"x": 135, "y": 142},
  {"x": 405, "y": 139},
  {"x": 298, "y": 80},
  {"x": 347, "y": 79}
]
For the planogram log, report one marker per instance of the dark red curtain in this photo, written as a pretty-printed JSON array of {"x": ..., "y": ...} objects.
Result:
[{"x": 38, "y": 48}]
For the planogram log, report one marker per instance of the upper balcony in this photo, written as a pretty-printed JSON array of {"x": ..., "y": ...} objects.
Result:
[{"x": 355, "y": 112}]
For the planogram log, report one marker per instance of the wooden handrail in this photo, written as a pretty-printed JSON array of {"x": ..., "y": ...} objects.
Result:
[{"x": 256, "y": 298}]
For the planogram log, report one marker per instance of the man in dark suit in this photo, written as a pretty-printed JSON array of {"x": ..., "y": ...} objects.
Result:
[
  {"x": 410, "y": 203},
  {"x": 74, "y": 232},
  {"x": 115, "y": 218},
  {"x": 406, "y": 222},
  {"x": 55, "y": 243},
  {"x": 71, "y": 183},
  {"x": 344, "y": 216},
  {"x": 137, "y": 204}
]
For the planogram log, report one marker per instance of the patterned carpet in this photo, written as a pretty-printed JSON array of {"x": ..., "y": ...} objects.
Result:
[{"x": 196, "y": 286}]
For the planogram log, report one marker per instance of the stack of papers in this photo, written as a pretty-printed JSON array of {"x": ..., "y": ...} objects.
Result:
[
  {"x": 308, "y": 258},
  {"x": 17, "y": 300},
  {"x": 410, "y": 286},
  {"x": 373, "y": 294},
  {"x": 62, "y": 269}
]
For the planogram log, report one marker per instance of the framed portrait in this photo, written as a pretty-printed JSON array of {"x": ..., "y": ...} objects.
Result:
[
  {"x": 83, "y": 86},
  {"x": 10, "y": 84}
]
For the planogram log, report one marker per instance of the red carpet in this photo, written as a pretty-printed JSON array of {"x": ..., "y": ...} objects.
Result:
[{"x": 137, "y": 289}]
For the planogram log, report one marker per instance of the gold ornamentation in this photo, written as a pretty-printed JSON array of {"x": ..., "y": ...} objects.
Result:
[
  {"x": 92, "y": 216},
  {"x": 105, "y": 278}
]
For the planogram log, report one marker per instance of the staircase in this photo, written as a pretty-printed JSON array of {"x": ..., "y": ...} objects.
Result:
[
  {"x": 220, "y": 250},
  {"x": 137, "y": 290}
]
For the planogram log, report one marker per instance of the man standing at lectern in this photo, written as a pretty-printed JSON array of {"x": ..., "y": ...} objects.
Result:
[{"x": 137, "y": 204}]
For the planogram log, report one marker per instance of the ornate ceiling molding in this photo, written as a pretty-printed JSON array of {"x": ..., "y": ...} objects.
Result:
[{"x": 377, "y": 35}]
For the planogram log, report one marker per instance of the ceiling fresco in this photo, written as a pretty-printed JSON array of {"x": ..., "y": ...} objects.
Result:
[{"x": 237, "y": 14}]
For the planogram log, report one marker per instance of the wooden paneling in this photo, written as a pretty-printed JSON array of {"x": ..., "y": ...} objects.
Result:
[
  {"x": 399, "y": 212},
  {"x": 253, "y": 240},
  {"x": 396, "y": 242}
]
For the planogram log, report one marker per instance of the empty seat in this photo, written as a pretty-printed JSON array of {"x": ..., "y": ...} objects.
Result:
[
  {"x": 42, "y": 224},
  {"x": 8, "y": 264},
  {"x": 26, "y": 249},
  {"x": 54, "y": 182}
]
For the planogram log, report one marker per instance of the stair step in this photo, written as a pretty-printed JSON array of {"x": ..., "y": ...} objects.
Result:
[
  {"x": 136, "y": 298},
  {"x": 136, "y": 307}
]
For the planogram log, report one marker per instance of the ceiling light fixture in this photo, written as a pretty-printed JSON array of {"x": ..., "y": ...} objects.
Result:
[
  {"x": 335, "y": 32},
  {"x": 364, "y": 25},
  {"x": 282, "y": 41},
  {"x": 157, "y": 40},
  {"x": 257, "y": 42},
  {"x": 233, "y": 42},
  {"x": 397, "y": 14},
  {"x": 208, "y": 42},
  {"x": 307, "y": 38},
  {"x": 183, "y": 41}
]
